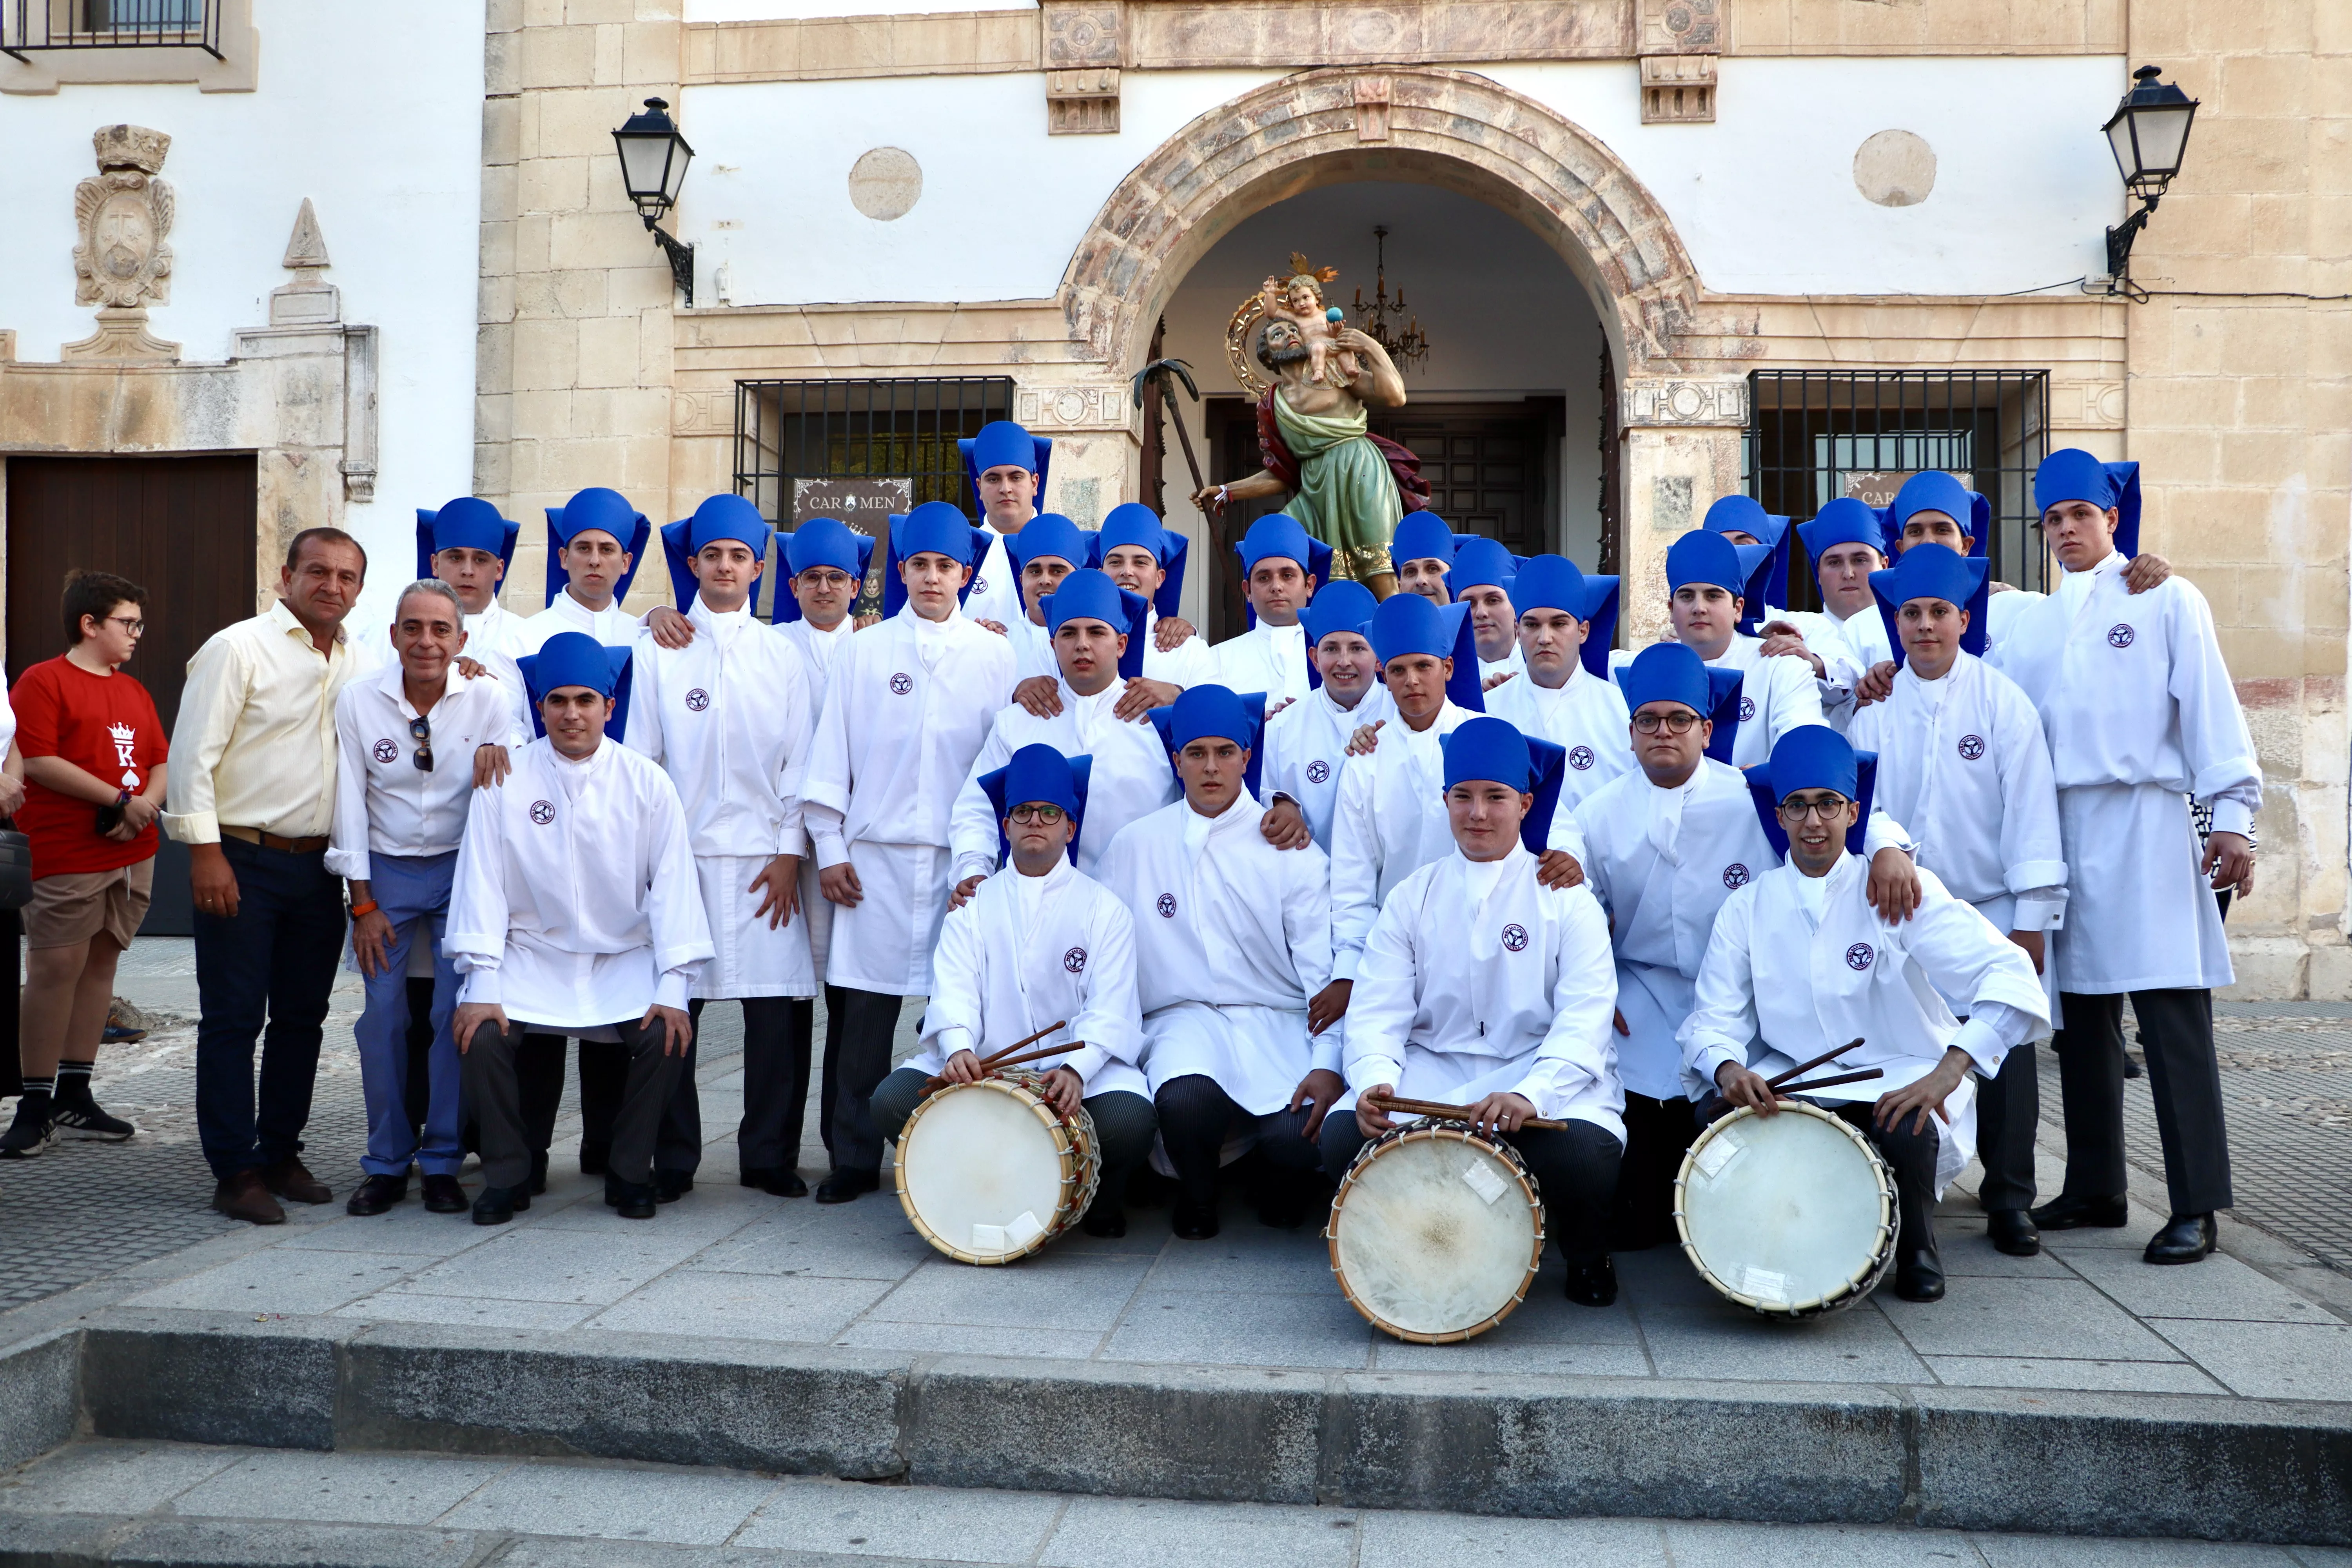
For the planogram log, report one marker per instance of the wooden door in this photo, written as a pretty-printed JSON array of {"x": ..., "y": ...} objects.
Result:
[
  {"x": 1493, "y": 469},
  {"x": 182, "y": 527}
]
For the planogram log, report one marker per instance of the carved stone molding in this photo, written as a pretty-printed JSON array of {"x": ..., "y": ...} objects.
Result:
[
  {"x": 1675, "y": 403},
  {"x": 1373, "y": 98},
  {"x": 1678, "y": 90},
  {"x": 1679, "y": 27},
  {"x": 1082, "y": 103},
  {"x": 1083, "y": 45},
  {"x": 1052, "y": 409},
  {"x": 120, "y": 262},
  {"x": 309, "y": 301}
]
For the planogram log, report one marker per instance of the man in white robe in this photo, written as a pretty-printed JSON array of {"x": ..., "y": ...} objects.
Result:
[
  {"x": 2141, "y": 716},
  {"x": 1006, "y": 466},
  {"x": 1144, "y": 556},
  {"x": 907, "y": 709},
  {"x": 1481, "y": 579},
  {"x": 1963, "y": 763},
  {"x": 1091, "y": 622},
  {"x": 1845, "y": 637},
  {"x": 1306, "y": 749},
  {"x": 1800, "y": 961},
  {"x": 1423, "y": 550},
  {"x": 1278, "y": 573},
  {"x": 575, "y": 910},
  {"x": 1041, "y": 555},
  {"x": 1708, "y": 577},
  {"x": 1233, "y": 967},
  {"x": 726, "y": 718},
  {"x": 1043, "y": 943},
  {"x": 1564, "y": 694},
  {"x": 1481, "y": 986}
]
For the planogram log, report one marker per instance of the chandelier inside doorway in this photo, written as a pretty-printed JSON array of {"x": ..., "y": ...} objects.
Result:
[{"x": 1406, "y": 344}]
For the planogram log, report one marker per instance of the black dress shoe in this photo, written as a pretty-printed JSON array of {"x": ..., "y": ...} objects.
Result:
[
  {"x": 1593, "y": 1284},
  {"x": 538, "y": 1182},
  {"x": 1282, "y": 1206},
  {"x": 1919, "y": 1274},
  {"x": 2011, "y": 1231},
  {"x": 635, "y": 1200},
  {"x": 671, "y": 1186},
  {"x": 841, "y": 1186},
  {"x": 444, "y": 1195},
  {"x": 1195, "y": 1222},
  {"x": 2062, "y": 1213},
  {"x": 2184, "y": 1238},
  {"x": 785, "y": 1184},
  {"x": 593, "y": 1159},
  {"x": 377, "y": 1194},
  {"x": 1105, "y": 1217},
  {"x": 497, "y": 1205}
]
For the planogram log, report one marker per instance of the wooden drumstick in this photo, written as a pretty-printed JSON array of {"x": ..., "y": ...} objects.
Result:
[
  {"x": 1455, "y": 1113},
  {"x": 1827, "y": 1083},
  {"x": 1803, "y": 1068},
  {"x": 999, "y": 1056},
  {"x": 933, "y": 1084},
  {"x": 995, "y": 1064}
]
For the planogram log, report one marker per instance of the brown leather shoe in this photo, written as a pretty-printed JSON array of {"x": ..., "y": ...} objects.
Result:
[
  {"x": 288, "y": 1179},
  {"x": 246, "y": 1196}
]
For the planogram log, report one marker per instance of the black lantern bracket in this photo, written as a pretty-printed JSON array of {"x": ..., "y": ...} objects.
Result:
[
  {"x": 681, "y": 259},
  {"x": 2148, "y": 134},
  {"x": 654, "y": 157}
]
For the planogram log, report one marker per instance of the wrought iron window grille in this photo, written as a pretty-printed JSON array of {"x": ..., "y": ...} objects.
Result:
[{"x": 32, "y": 25}]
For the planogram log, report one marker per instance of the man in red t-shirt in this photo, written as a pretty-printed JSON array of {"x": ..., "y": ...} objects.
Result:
[{"x": 94, "y": 751}]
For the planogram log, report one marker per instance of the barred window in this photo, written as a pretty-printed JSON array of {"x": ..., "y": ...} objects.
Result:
[{"x": 35, "y": 24}]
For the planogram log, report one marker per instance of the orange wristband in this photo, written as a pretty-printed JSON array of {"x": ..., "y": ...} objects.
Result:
[{"x": 366, "y": 906}]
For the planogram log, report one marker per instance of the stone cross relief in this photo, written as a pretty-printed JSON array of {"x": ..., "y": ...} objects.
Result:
[{"x": 120, "y": 262}]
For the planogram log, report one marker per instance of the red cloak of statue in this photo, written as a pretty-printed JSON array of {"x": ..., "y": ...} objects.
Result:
[{"x": 1274, "y": 455}]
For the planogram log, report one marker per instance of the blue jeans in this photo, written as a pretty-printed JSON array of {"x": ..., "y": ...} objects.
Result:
[
  {"x": 273, "y": 962},
  {"x": 414, "y": 893}
]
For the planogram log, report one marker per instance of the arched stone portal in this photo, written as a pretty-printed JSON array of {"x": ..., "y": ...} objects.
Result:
[{"x": 1683, "y": 396}]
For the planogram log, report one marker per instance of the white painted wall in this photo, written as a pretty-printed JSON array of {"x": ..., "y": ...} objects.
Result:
[
  {"x": 375, "y": 117},
  {"x": 1764, "y": 199}
]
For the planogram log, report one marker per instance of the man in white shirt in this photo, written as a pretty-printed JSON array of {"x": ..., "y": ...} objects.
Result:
[
  {"x": 1481, "y": 579},
  {"x": 1048, "y": 550},
  {"x": 1481, "y": 986},
  {"x": 1962, "y": 762},
  {"x": 1562, "y": 693},
  {"x": 1095, "y": 631},
  {"x": 1280, "y": 566},
  {"x": 1799, "y": 960},
  {"x": 727, "y": 717},
  {"x": 596, "y": 543},
  {"x": 1423, "y": 550},
  {"x": 575, "y": 912},
  {"x": 1144, "y": 556},
  {"x": 1844, "y": 638},
  {"x": 1006, "y": 466},
  {"x": 1743, "y": 521},
  {"x": 405, "y": 738},
  {"x": 251, "y": 790},
  {"x": 469, "y": 546},
  {"x": 1710, "y": 578},
  {"x": 1233, "y": 970},
  {"x": 1041, "y": 943},
  {"x": 2141, "y": 716},
  {"x": 907, "y": 709},
  {"x": 1306, "y": 750}
]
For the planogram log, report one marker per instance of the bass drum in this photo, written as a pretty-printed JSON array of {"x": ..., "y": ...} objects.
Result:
[
  {"x": 1437, "y": 1232},
  {"x": 988, "y": 1172},
  {"x": 1791, "y": 1216}
]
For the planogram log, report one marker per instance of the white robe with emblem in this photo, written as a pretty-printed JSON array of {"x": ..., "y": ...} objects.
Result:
[
  {"x": 1027, "y": 951},
  {"x": 1232, "y": 941},
  {"x": 816, "y": 649},
  {"x": 907, "y": 708},
  {"x": 1129, "y": 778},
  {"x": 1584, "y": 714},
  {"x": 995, "y": 593},
  {"x": 1307, "y": 752},
  {"x": 1191, "y": 662}
]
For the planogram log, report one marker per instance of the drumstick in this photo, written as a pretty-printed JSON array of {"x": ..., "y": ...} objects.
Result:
[
  {"x": 1803, "y": 1068},
  {"x": 995, "y": 1063},
  {"x": 1025, "y": 1040},
  {"x": 933, "y": 1084},
  {"x": 1794, "y": 1089},
  {"x": 1455, "y": 1113}
]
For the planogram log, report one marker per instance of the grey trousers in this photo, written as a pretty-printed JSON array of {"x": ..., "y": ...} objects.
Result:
[
  {"x": 2009, "y": 1108},
  {"x": 2176, "y": 1029},
  {"x": 494, "y": 1101}
]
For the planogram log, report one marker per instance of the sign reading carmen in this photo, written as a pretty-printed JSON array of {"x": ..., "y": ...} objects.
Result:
[{"x": 866, "y": 503}]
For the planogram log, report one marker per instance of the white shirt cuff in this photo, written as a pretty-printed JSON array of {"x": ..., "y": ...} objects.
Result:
[{"x": 2233, "y": 816}]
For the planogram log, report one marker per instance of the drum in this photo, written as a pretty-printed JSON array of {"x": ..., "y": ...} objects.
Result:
[
  {"x": 989, "y": 1172},
  {"x": 1791, "y": 1216},
  {"x": 1437, "y": 1232}
]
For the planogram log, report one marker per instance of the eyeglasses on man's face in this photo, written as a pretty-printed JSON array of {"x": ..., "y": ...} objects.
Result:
[
  {"x": 1826, "y": 810},
  {"x": 1677, "y": 723},
  {"x": 130, "y": 623},
  {"x": 1037, "y": 812}
]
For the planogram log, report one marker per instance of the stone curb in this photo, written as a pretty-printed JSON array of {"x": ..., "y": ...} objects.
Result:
[{"x": 2094, "y": 1464}]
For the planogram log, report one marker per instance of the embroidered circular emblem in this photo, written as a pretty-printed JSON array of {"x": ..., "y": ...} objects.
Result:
[
  {"x": 1747, "y": 708},
  {"x": 542, "y": 812},
  {"x": 902, "y": 684},
  {"x": 696, "y": 701},
  {"x": 1318, "y": 772},
  {"x": 1972, "y": 747},
  {"x": 1514, "y": 938},
  {"x": 386, "y": 751},
  {"x": 980, "y": 585},
  {"x": 2120, "y": 634},
  {"x": 1735, "y": 875},
  {"x": 1580, "y": 758},
  {"x": 1859, "y": 955},
  {"x": 1166, "y": 906},
  {"x": 1074, "y": 961}
]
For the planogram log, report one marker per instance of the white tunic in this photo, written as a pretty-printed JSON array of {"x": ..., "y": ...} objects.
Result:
[
  {"x": 1233, "y": 940},
  {"x": 1514, "y": 663},
  {"x": 1267, "y": 657},
  {"x": 575, "y": 904},
  {"x": 1662, "y": 862},
  {"x": 385, "y": 803},
  {"x": 1026, "y": 950},
  {"x": 1128, "y": 779},
  {"x": 1388, "y": 823},
  {"x": 1032, "y": 650},
  {"x": 726, "y": 718},
  {"x": 1478, "y": 980},
  {"x": 1963, "y": 763},
  {"x": 1307, "y": 752},
  {"x": 1585, "y": 714},
  {"x": 1805, "y": 964},
  {"x": 1191, "y": 662},
  {"x": 2140, "y": 714},
  {"x": 1848, "y": 649},
  {"x": 816, "y": 649},
  {"x": 906, "y": 707},
  {"x": 995, "y": 594},
  {"x": 611, "y": 625}
]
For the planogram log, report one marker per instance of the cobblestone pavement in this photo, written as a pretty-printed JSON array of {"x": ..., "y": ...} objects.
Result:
[{"x": 85, "y": 1210}]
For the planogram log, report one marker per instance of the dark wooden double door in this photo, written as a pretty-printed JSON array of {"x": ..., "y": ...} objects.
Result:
[{"x": 182, "y": 527}]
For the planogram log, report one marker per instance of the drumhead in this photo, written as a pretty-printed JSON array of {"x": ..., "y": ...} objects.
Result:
[
  {"x": 1436, "y": 1235},
  {"x": 980, "y": 1170},
  {"x": 1788, "y": 1215}
]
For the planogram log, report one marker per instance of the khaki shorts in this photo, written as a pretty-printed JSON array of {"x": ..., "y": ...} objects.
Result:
[{"x": 74, "y": 906}]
